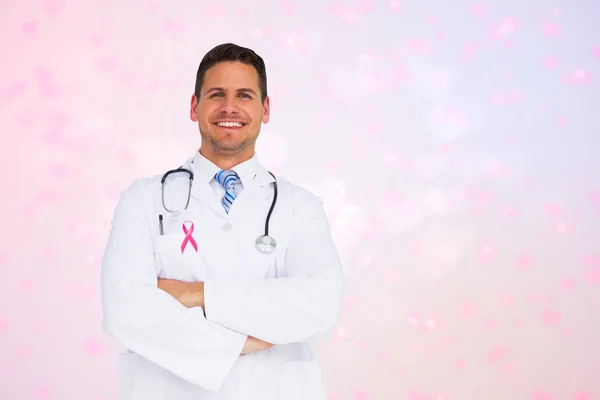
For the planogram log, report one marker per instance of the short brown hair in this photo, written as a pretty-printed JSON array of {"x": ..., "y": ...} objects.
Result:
[{"x": 232, "y": 52}]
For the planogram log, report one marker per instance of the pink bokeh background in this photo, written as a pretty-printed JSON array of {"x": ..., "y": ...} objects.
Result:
[{"x": 455, "y": 145}]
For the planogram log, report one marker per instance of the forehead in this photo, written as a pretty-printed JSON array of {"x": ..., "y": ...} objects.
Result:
[{"x": 231, "y": 75}]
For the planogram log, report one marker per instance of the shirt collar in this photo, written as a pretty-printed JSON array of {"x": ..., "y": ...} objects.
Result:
[{"x": 205, "y": 170}]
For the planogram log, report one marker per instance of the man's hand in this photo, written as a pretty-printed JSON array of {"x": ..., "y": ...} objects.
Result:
[
  {"x": 253, "y": 345},
  {"x": 190, "y": 294}
]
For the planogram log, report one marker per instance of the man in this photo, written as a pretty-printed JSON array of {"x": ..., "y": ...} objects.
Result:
[{"x": 187, "y": 287}]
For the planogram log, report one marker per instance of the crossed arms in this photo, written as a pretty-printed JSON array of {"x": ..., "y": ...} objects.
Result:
[
  {"x": 191, "y": 294},
  {"x": 164, "y": 321}
]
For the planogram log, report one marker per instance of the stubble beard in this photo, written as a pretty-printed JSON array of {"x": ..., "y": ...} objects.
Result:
[{"x": 221, "y": 147}]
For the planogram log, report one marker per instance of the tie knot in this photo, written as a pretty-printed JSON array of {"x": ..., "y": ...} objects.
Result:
[{"x": 226, "y": 178}]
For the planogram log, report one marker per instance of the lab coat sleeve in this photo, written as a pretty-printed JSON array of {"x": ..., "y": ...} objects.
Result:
[
  {"x": 303, "y": 306},
  {"x": 149, "y": 321}
]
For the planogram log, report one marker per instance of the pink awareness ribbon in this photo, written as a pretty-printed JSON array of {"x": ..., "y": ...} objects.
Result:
[{"x": 188, "y": 237}]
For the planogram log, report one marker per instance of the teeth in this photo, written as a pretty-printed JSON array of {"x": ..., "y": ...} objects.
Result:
[{"x": 230, "y": 124}]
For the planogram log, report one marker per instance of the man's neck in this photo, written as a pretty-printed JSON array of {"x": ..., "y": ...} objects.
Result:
[{"x": 226, "y": 162}]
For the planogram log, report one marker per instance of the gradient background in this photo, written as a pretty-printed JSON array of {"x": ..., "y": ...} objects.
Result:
[{"x": 455, "y": 144}]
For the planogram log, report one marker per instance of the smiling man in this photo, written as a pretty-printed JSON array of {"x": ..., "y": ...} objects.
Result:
[{"x": 218, "y": 275}]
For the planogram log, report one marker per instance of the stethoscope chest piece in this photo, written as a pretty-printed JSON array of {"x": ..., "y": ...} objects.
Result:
[{"x": 265, "y": 244}]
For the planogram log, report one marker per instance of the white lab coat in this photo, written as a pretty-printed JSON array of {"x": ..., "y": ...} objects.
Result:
[{"x": 290, "y": 297}]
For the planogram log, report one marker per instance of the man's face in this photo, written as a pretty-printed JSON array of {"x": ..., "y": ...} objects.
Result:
[{"x": 229, "y": 110}]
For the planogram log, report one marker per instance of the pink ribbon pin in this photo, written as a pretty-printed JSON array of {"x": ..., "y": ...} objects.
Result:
[{"x": 188, "y": 237}]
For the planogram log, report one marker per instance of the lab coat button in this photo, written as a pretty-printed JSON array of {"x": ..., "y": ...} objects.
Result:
[{"x": 227, "y": 227}]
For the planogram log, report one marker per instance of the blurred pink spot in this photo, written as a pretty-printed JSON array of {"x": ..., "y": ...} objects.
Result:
[
  {"x": 498, "y": 98},
  {"x": 523, "y": 261},
  {"x": 174, "y": 28},
  {"x": 4, "y": 325},
  {"x": 45, "y": 80},
  {"x": 58, "y": 170},
  {"x": 582, "y": 396},
  {"x": 25, "y": 285},
  {"x": 108, "y": 63},
  {"x": 15, "y": 89},
  {"x": 469, "y": 50},
  {"x": 391, "y": 275},
  {"x": 596, "y": 52},
  {"x": 550, "y": 62},
  {"x": 562, "y": 121},
  {"x": 593, "y": 276},
  {"x": 334, "y": 7},
  {"x": 506, "y": 299},
  {"x": 550, "y": 317},
  {"x": 53, "y": 7},
  {"x": 497, "y": 354},
  {"x": 595, "y": 199},
  {"x": 358, "y": 395},
  {"x": 393, "y": 5},
  {"x": 333, "y": 397},
  {"x": 213, "y": 11},
  {"x": 505, "y": 27},
  {"x": 509, "y": 212},
  {"x": 341, "y": 333},
  {"x": 289, "y": 8},
  {"x": 94, "y": 347},
  {"x": 515, "y": 97},
  {"x": 478, "y": 10},
  {"x": 590, "y": 260},
  {"x": 568, "y": 284},
  {"x": 468, "y": 309},
  {"x": 485, "y": 252},
  {"x": 413, "y": 319},
  {"x": 563, "y": 228},
  {"x": 414, "y": 248},
  {"x": 350, "y": 302},
  {"x": 51, "y": 137},
  {"x": 540, "y": 395},
  {"x": 496, "y": 168},
  {"x": 417, "y": 395},
  {"x": 42, "y": 392},
  {"x": 579, "y": 75},
  {"x": 552, "y": 209},
  {"x": 30, "y": 28},
  {"x": 489, "y": 324},
  {"x": 419, "y": 46},
  {"x": 550, "y": 29},
  {"x": 22, "y": 352},
  {"x": 95, "y": 39}
]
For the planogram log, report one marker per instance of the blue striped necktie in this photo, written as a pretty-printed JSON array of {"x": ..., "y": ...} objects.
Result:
[{"x": 227, "y": 179}]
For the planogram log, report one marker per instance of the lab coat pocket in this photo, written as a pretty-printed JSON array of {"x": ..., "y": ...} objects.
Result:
[
  {"x": 186, "y": 265},
  {"x": 303, "y": 380},
  {"x": 140, "y": 379}
]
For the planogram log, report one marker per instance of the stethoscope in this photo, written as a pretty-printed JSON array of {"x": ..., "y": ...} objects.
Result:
[{"x": 264, "y": 243}]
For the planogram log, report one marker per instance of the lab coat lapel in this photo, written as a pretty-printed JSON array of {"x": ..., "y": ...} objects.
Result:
[{"x": 204, "y": 193}]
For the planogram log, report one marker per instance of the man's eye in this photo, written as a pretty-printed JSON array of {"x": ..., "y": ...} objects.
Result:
[
  {"x": 217, "y": 94},
  {"x": 245, "y": 95}
]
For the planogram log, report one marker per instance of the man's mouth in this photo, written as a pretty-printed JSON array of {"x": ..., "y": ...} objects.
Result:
[{"x": 229, "y": 124}]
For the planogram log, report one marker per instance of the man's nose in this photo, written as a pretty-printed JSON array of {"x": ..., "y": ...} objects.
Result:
[{"x": 229, "y": 105}]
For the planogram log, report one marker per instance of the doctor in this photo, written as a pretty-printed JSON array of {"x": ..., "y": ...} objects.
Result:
[{"x": 207, "y": 309}]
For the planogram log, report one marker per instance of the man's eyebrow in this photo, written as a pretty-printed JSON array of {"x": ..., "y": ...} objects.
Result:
[
  {"x": 247, "y": 90},
  {"x": 215, "y": 89},
  {"x": 219, "y": 89}
]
